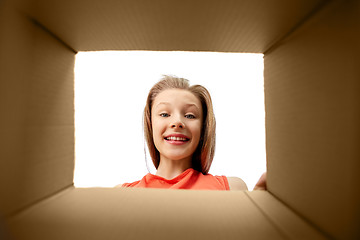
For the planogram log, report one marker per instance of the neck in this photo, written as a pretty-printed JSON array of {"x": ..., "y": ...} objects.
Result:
[{"x": 169, "y": 169}]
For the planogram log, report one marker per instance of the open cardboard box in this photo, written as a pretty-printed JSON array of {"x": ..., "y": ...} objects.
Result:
[{"x": 312, "y": 100}]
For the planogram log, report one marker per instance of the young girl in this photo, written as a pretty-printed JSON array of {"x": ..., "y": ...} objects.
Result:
[{"x": 179, "y": 127}]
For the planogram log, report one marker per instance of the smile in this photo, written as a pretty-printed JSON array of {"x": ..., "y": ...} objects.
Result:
[{"x": 176, "y": 139}]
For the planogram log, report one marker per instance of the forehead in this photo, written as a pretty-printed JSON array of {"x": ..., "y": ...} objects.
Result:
[{"x": 176, "y": 96}]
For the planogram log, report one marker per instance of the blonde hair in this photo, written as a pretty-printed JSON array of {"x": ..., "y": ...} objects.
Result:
[{"x": 204, "y": 153}]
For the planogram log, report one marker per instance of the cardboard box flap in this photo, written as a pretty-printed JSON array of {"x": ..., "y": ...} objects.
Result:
[
  {"x": 312, "y": 106},
  {"x": 202, "y": 25},
  {"x": 115, "y": 213},
  {"x": 290, "y": 223}
]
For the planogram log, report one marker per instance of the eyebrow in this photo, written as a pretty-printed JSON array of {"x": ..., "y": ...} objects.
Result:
[{"x": 187, "y": 105}]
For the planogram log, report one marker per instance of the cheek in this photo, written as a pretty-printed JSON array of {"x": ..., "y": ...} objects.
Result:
[
  {"x": 155, "y": 136},
  {"x": 156, "y": 131},
  {"x": 196, "y": 130}
]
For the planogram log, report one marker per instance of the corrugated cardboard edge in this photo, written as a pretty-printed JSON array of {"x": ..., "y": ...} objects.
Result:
[{"x": 291, "y": 225}]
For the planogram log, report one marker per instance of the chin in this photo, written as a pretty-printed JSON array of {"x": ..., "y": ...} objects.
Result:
[{"x": 177, "y": 157}]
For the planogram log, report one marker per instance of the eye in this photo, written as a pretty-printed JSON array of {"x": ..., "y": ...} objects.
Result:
[
  {"x": 164, "y": 115},
  {"x": 190, "y": 116}
]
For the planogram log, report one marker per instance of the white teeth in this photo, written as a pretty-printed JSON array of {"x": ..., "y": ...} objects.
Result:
[{"x": 176, "y": 138}]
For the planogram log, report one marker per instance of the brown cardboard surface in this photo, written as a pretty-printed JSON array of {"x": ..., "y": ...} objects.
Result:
[
  {"x": 290, "y": 224},
  {"x": 120, "y": 213},
  {"x": 202, "y": 25},
  {"x": 37, "y": 112},
  {"x": 312, "y": 119},
  {"x": 14, "y": 52}
]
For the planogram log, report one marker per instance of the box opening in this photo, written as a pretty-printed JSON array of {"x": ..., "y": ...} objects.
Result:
[{"x": 110, "y": 93}]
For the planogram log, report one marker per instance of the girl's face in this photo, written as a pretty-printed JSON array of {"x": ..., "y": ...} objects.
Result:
[{"x": 176, "y": 123}]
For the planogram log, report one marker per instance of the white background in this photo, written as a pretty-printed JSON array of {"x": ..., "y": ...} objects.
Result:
[{"x": 110, "y": 94}]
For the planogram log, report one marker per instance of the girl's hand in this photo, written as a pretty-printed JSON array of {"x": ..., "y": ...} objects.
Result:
[{"x": 261, "y": 184}]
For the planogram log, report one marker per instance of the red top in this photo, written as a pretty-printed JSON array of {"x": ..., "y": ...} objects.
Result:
[{"x": 189, "y": 179}]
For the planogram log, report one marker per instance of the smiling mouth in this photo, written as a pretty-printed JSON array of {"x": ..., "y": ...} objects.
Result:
[{"x": 176, "y": 139}]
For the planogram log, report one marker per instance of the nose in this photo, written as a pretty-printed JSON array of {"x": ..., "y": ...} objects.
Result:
[{"x": 177, "y": 124}]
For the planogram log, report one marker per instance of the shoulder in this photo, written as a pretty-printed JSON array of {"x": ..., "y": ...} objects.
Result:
[
  {"x": 236, "y": 183},
  {"x": 133, "y": 184}
]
